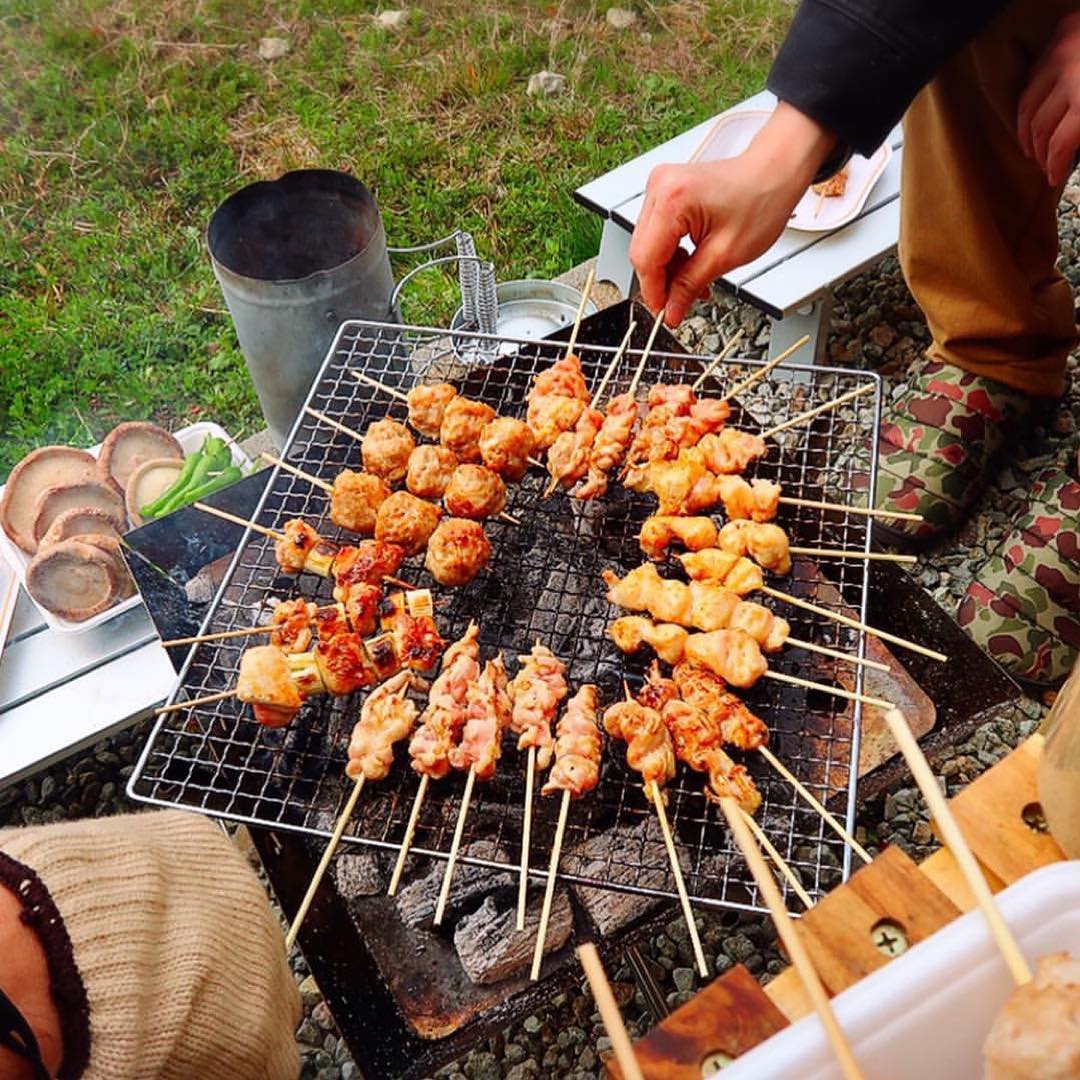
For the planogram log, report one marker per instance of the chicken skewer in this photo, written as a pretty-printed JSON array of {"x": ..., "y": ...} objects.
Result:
[
  {"x": 488, "y": 714},
  {"x": 537, "y": 690},
  {"x": 576, "y": 771},
  {"x": 651, "y": 752},
  {"x": 385, "y": 717},
  {"x": 583, "y": 303},
  {"x": 440, "y": 727},
  {"x": 793, "y": 943}
]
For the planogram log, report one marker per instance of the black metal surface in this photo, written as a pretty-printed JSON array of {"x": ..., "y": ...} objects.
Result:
[{"x": 543, "y": 582}]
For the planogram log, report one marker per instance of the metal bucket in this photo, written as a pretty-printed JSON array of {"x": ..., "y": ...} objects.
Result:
[{"x": 295, "y": 257}]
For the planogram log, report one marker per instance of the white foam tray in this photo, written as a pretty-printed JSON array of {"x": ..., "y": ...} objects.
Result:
[
  {"x": 732, "y": 134},
  {"x": 924, "y": 1016},
  {"x": 190, "y": 438}
]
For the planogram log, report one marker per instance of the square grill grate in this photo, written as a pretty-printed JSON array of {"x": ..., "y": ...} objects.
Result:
[{"x": 543, "y": 582}]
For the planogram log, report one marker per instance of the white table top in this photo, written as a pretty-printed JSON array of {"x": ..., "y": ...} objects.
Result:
[
  {"x": 60, "y": 693},
  {"x": 800, "y": 266}
]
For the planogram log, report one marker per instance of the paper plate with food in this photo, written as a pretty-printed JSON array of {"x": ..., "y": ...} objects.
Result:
[{"x": 64, "y": 510}]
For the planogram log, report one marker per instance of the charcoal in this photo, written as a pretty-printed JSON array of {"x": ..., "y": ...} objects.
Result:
[
  {"x": 416, "y": 901},
  {"x": 633, "y": 856},
  {"x": 491, "y": 949},
  {"x": 358, "y": 874}
]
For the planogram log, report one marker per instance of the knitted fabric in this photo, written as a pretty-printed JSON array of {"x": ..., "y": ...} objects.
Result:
[{"x": 183, "y": 962}]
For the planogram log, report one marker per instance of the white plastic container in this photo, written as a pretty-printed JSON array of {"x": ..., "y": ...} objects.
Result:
[
  {"x": 190, "y": 439},
  {"x": 925, "y": 1015}
]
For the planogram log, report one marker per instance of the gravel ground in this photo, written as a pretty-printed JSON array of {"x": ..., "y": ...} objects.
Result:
[{"x": 875, "y": 324}]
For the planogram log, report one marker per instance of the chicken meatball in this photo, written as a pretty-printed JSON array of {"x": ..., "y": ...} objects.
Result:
[
  {"x": 462, "y": 424},
  {"x": 505, "y": 447},
  {"x": 406, "y": 521},
  {"x": 426, "y": 407},
  {"x": 386, "y": 448},
  {"x": 356, "y": 499},
  {"x": 475, "y": 491},
  {"x": 457, "y": 551},
  {"x": 429, "y": 472}
]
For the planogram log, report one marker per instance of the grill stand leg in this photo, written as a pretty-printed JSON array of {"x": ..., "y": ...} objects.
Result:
[
  {"x": 654, "y": 998},
  {"x": 613, "y": 262},
  {"x": 812, "y": 319}
]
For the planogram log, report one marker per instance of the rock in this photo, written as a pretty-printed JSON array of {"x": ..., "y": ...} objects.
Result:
[
  {"x": 883, "y": 335},
  {"x": 621, "y": 18},
  {"x": 545, "y": 84},
  {"x": 392, "y": 20},
  {"x": 482, "y": 1066},
  {"x": 532, "y": 1025},
  {"x": 321, "y": 1015},
  {"x": 683, "y": 978},
  {"x": 273, "y": 48}
]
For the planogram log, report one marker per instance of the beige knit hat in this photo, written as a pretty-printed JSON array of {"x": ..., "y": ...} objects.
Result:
[{"x": 182, "y": 959}]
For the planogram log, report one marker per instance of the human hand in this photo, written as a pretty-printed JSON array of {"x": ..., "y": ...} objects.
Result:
[
  {"x": 733, "y": 210},
  {"x": 1048, "y": 117}
]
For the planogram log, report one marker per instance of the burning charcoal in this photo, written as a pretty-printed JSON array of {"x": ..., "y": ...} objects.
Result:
[
  {"x": 358, "y": 874},
  {"x": 417, "y": 900},
  {"x": 491, "y": 949},
  {"x": 623, "y": 856}
]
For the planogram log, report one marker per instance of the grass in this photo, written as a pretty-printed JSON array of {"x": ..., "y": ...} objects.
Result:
[{"x": 123, "y": 124}]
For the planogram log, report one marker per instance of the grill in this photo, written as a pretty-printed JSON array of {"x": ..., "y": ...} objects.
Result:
[{"x": 543, "y": 582}]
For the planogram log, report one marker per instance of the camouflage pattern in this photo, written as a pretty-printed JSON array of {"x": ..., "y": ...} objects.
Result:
[{"x": 937, "y": 446}]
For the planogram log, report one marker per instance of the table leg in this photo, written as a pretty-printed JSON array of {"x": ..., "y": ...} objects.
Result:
[
  {"x": 812, "y": 319},
  {"x": 613, "y": 263}
]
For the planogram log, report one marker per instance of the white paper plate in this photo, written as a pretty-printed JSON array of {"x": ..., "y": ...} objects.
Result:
[
  {"x": 190, "y": 438},
  {"x": 732, "y": 134}
]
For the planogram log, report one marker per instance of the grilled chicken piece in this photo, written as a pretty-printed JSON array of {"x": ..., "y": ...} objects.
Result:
[
  {"x": 768, "y": 630},
  {"x": 731, "y": 450},
  {"x": 707, "y": 692},
  {"x": 430, "y": 469},
  {"x": 536, "y": 691},
  {"x": 406, "y": 521},
  {"x": 732, "y": 654},
  {"x": 568, "y": 458},
  {"x": 475, "y": 491},
  {"x": 367, "y": 562},
  {"x": 418, "y": 641},
  {"x": 385, "y": 450},
  {"x": 386, "y": 717},
  {"x": 344, "y": 665},
  {"x": 506, "y": 445},
  {"x": 303, "y": 550},
  {"x": 766, "y": 544},
  {"x": 658, "y": 690},
  {"x": 487, "y": 714},
  {"x": 667, "y": 640},
  {"x": 609, "y": 446},
  {"x": 356, "y": 499},
  {"x": 577, "y": 747},
  {"x": 757, "y": 501},
  {"x": 686, "y": 486},
  {"x": 715, "y": 567},
  {"x": 427, "y": 404},
  {"x": 462, "y": 425},
  {"x": 649, "y": 749},
  {"x": 660, "y": 531},
  {"x": 266, "y": 683},
  {"x": 457, "y": 551},
  {"x": 292, "y": 621},
  {"x": 562, "y": 379},
  {"x": 707, "y": 607},
  {"x": 548, "y": 417},
  {"x": 332, "y": 619}
]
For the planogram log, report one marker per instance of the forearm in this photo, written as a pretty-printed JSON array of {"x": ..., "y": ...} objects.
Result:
[{"x": 789, "y": 150}]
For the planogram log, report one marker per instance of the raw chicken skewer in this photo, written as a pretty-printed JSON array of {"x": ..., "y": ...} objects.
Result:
[
  {"x": 576, "y": 771},
  {"x": 536, "y": 692}
]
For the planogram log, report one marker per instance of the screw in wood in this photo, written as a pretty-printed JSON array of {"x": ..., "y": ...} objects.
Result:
[
  {"x": 1034, "y": 818},
  {"x": 714, "y": 1061},
  {"x": 889, "y": 938}
]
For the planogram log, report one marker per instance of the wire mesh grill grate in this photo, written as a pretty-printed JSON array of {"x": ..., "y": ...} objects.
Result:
[{"x": 543, "y": 582}]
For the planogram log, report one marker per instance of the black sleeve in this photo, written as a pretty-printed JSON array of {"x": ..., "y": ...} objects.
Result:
[{"x": 854, "y": 65}]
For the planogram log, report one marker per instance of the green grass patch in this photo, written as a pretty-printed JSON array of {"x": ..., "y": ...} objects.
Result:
[{"x": 123, "y": 125}]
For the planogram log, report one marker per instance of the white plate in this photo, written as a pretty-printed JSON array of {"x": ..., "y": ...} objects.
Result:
[
  {"x": 732, "y": 134},
  {"x": 190, "y": 439},
  {"x": 924, "y": 1016}
]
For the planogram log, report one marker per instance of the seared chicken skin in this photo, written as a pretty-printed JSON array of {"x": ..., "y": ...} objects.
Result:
[
  {"x": 649, "y": 749},
  {"x": 766, "y": 544},
  {"x": 577, "y": 747},
  {"x": 717, "y": 567},
  {"x": 731, "y": 450},
  {"x": 488, "y": 711},
  {"x": 739, "y": 727},
  {"x": 386, "y": 717},
  {"x": 568, "y": 458},
  {"x": 609, "y": 446},
  {"x": 660, "y": 531}
]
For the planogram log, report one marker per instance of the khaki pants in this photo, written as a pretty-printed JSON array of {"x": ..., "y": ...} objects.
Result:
[{"x": 978, "y": 229}]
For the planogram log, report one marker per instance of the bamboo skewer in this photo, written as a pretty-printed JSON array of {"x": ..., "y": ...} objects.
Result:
[
  {"x": 844, "y": 620},
  {"x": 958, "y": 846},
  {"x": 766, "y": 368},
  {"x": 549, "y": 888},
  {"x": 526, "y": 830},
  {"x": 836, "y": 654},
  {"x": 324, "y": 863},
  {"x": 836, "y": 691},
  {"x": 793, "y": 943},
  {"x": 721, "y": 356},
  {"x": 615, "y": 360},
  {"x": 778, "y": 860},
  {"x": 848, "y": 553},
  {"x": 808, "y": 796},
  {"x": 459, "y": 829},
  {"x": 608, "y": 1008},
  {"x": 862, "y": 511},
  {"x": 344, "y": 428},
  {"x": 645, "y": 352},
  {"x": 590, "y": 278},
  {"x": 217, "y": 635},
  {"x": 213, "y": 511},
  {"x": 178, "y": 706},
  {"x": 680, "y": 884},
  {"x": 410, "y": 833},
  {"x": 314, "y": 480},
  {"x": 809, "y": 414}
]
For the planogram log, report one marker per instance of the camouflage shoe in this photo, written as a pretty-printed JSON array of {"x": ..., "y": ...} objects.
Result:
[
  {"x": 938, "y": 444},
  {"x": 1024, "y": 606}
]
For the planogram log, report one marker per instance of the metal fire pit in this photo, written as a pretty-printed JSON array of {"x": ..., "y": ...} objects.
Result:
[{"x": 544, "y": 581}]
